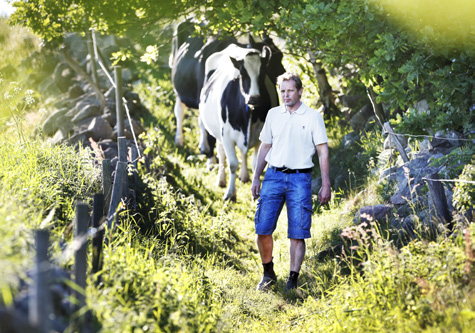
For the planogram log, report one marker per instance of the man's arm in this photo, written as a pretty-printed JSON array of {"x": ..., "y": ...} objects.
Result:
[
  {"x": 323, "y": 158},
  {"x": 261, "y": 164}
]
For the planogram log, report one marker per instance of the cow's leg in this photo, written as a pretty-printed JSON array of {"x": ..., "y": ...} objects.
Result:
[
  {"x": 207, "y": 144},
  {"x": 244, "y": 174},
  {"x": 179, "y": 116},
  {"x": 222, "y": 165},
  {"x": 233, "y": 164}
]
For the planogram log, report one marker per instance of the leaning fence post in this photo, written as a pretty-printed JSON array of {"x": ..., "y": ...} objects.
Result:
[
  {"x": 92, "y": 55},
  {"x": 39, "y": 300},
  {"x": 106, "y": 184},
  {"x": 437, "y": 194},
  {"x": 97, "y": 214},
  {"x": 399, "y": 147},
  {"x": 120, "y": 174},
  {"x": 80, "y": 260},
  {"x": 118, "y": 100}
]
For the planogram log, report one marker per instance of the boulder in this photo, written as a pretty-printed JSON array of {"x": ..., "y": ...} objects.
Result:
[
  {"x": 87, "y": 112},
  {"x": 358, "y": 121},
  {"x": 75, "y": 91},
  {"x": 373, "y": 213},
  {"x": 449, "y": 139},
  {"x": 54, "y": 121},
  {"x": 99, "y": 129}
]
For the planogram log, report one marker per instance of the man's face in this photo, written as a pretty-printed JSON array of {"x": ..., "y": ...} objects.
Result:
[{"x": 289, "y": 93}]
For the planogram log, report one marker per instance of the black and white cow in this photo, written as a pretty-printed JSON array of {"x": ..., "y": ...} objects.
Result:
[
  {"x": 188, "y": 59},
  {"x": 234, "y": 101}
]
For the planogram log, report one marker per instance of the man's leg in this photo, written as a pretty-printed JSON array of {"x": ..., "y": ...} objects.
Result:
[
  {"x": 297, "y": 253},
  {"x": 265, "y": 244}
]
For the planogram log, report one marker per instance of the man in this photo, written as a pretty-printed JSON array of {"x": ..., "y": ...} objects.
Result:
[{"x": 292, "y": 133}]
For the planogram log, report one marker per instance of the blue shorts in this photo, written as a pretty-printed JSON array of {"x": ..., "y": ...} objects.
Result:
[{"x": 295, "y": 190}]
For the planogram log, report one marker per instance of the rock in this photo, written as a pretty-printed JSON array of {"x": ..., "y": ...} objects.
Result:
[
  {"x": 350, "y": 138},
  {"x": 388, "y": 173},
  {"x": 99, "y": 129},
  {"x": 351, "y": 101},
  {"x": 425, "y": 144},
  {"x": 63, "y": 77},
  {"x": 53, "y": 122},
  {"x": 373, "y": 213},
  {"x": 449, "y": 139},
  {"x": 87, "y": 112},
  {"x": 75, "y": 91},
  {"x": 422, "y": 106},
  {"x": 358, "y": 121},
  {"x": 137, "y": 127}
]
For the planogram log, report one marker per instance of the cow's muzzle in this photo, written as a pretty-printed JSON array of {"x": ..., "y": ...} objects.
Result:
[{"x": 254, "y": 100}]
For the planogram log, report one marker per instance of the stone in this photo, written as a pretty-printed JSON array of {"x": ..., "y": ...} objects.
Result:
[
  {"x": 350, "y": 101},
  {"x": 75, "y": 91},
  {"x": 99, "y": 129},
  {"x": 449, "y": 139},
  {"x": 373, "y": 213},
  {"x": 53, "y": 122},
  {"x": 87, "y": 112},
  {"x": 358, "y": 121}
]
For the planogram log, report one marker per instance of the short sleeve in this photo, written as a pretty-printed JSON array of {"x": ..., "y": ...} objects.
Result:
[{"x": 319, "y": 134}]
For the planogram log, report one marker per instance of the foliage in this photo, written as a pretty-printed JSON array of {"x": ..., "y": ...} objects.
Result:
[{"x": 464, "y": 195}]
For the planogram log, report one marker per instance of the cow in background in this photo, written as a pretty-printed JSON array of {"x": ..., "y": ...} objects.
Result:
[
  {"x": 234, "y": 101},
  {"x": 188, "y": 59}
]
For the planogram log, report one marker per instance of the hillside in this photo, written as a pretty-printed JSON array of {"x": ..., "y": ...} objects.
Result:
[{"x": 186, "y": 261}]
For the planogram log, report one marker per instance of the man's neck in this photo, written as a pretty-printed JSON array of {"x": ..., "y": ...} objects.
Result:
[{"x": 294, "y": 107}]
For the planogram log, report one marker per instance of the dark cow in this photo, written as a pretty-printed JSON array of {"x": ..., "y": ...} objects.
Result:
[
  {"x": 234, "y": 102},
  {"x": 188, "y": 58}
]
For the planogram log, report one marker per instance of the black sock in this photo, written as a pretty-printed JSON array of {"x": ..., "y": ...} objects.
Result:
[
  {"x": 269, "y": 267},
  {"x": 293, "y": 276}
]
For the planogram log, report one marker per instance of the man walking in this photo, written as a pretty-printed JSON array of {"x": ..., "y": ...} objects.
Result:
[{"x": 292, "y": 133}]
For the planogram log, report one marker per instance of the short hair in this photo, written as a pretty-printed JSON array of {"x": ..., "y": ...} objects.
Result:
[{"x": 290, "y": 76}]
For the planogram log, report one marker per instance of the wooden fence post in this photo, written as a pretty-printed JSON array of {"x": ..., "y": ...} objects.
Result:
[
  {"x": 122, "y": 144},
  {"x": 437, "y": 194},
  {"x": 40, "y": 299},
  {"x": 106, "y": 184},
  {"x": 92, "y": 59},
  {"x": 80, "y": 260},
  {"x": 97, "y": 214},
  {"x": 118, "y": 100},
  {"x": 393, "y": 137},
  {"x": 120, "y": 174}
]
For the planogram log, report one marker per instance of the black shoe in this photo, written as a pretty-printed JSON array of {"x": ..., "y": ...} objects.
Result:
[
  {"x": 292, "y": 281},
  {"x": 268, "y": 280}
]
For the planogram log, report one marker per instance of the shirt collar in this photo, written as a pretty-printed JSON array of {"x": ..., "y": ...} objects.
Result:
[{"x": 300, "y": 110}]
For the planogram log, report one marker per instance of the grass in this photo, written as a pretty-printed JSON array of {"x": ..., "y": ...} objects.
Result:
[{"x": 186, "y": 260}]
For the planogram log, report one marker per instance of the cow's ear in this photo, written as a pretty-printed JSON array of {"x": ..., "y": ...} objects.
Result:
[
  {"x": 266, "y": 52},
  {"x": 252, "y": 42},
  {"x": 236, "y": 63}
]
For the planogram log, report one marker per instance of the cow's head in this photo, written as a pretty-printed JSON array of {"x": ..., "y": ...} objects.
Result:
[
  {"x": 274, "y": 66},
  {"x": 250, "y": 66}
]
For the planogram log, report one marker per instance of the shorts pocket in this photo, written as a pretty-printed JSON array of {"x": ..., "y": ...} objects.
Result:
[{"x": 306, "y": 220}]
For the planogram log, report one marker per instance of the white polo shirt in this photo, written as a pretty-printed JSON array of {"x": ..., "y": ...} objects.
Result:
[{"x": 293, "y": 136}]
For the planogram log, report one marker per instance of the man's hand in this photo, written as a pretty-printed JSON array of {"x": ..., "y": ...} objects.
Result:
[
  {"x": 256, "y": 188},
  {"x": 324, "y": 195}
]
